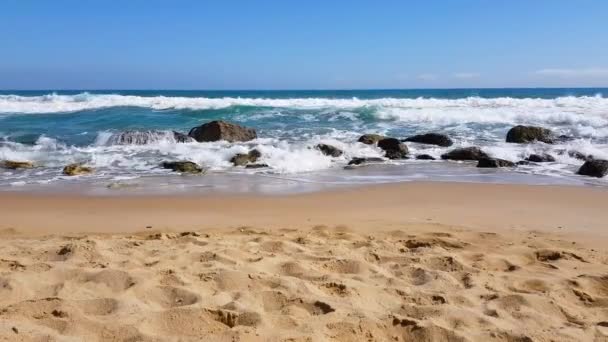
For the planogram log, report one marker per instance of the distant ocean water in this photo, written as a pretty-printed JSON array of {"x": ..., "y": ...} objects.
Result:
[{"x": 54, "y": 128}]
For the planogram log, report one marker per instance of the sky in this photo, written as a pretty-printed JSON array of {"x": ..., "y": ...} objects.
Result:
[{"x": 297, "y": 44}]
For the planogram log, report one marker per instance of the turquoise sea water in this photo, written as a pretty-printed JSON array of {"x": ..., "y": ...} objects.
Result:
[{"x": 53, "y": 128}]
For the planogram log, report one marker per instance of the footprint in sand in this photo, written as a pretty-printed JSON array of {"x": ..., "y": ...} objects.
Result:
[{"x": 167, "y": 296}]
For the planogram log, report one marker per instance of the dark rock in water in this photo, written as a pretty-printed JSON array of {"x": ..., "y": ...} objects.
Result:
[
  {"x": 431, "y": 139},
  {"x": 425, "y": 157},
  {"x": 256, "y": 166},
  {"x": 578, "y": 155},
  {"x": 370, "y": 139},
  {"x": 594, "y": 168},
  {"x": 465, "y": 153},
  {"x": 240, "y": 159},
  {"x": 14, "y": 165},
  {"x": 525, "y": 162},
  {"x": 365, "y": 160},
  {"x": 254, "y": 155},
  {"x": 494, "y": 162},
  {"x": 222, "y": 130},
  {"x": 394, "y": 148},
  {"x": 133, "y": 137},
  {"x": 76, "y": 169},
  {"x": 564, "y": 138},
  {"x": 329, "y": 150},
  {"x": 182, "y": 166},
  {"x": 525, "y": 134},
  {"x": 540, "y": 158},
  {"x": 244, "y": 159}
]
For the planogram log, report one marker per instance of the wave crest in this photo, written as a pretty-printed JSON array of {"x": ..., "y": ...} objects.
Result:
[{"x": 53, "y": 103}]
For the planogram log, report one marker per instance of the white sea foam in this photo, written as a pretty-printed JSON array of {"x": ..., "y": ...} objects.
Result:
[{"x": 53, "y": 103}]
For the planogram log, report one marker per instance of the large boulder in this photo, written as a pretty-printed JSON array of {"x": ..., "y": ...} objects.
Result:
[
  {"x": 594, "y": 168},
  {"x": 525, "y": 134},
  {"x": 370, "y": 139},
  {"x": 14, "y": 165},
  {"x": 182, "y": 166},
  {"x": 394, "y": 148},
  {"x": 222, "y": 130},
  {"x": 540, "y": 158},
  {"x": 242, "y": 159},
  {"x": 465, "y": 153},
  {"x": 76, "y": 170},
  {"x": 133, "y": 137},
  {"x": 431, "y": 139},
  {"x": 364, "y": 160},
  {"x": 329, "y": 150},
  {"x": 494, "y": 162}
]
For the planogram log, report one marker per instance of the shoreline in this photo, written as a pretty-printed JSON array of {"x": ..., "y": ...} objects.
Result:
[{"x": 576, "y": 209}]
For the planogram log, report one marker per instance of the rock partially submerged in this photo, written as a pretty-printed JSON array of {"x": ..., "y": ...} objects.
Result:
[
  {"x": 364, "y": 160},
  {"x": 14, "y": 165},
  {"x": 526, "y": 134},
  {"x": 431, "y": 139},
  {"x": 425, "y": 157},
  {"x": 134, "y": 137},
  {"x": 576, "y": 154},
  {"x": 329, "y": 150},
  {"x": 222, "y": 130},
  {"x": 77, "y": 169},
  {"x": 393, "y": 148},
  {"x": 494, "y": 162},
  {"x": 540, "y": 158},
  {"x": 256, "y": 166},
  {"x": 594, "y": 168},
  {"x": 370, "y": 139},
  {"x": 465, "y": 153},
  {"x": 182, "y": 166},
  {"x": 242, "y": 159}
]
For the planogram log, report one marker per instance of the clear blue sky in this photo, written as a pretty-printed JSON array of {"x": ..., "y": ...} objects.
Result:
[{"x": 150, "y": 44}]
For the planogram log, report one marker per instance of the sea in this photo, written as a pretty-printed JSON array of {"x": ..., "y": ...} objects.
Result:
[{"x": 56, "y": 128}]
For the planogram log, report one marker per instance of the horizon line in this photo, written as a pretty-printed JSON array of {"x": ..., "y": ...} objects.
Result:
[{"x": 286, "y": 89}]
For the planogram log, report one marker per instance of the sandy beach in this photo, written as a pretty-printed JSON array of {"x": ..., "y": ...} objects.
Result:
[{"x": 400, "y": 262}]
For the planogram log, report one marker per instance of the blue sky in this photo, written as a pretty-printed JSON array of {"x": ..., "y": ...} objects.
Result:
[{"x": 150, "y": 44}]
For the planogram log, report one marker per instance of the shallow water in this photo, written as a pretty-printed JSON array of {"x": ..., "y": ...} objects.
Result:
[{"x": 54, "y": 129}]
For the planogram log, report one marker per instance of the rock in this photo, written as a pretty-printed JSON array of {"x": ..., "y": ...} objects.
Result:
[
  {"x": 494, "y": 162},
  {"x": 14, "y": 165},
  {"x": 77, "y": 169},
  {"x": 425, "y": 157},
  {"x": 594, "y": 168},
  {"x": 394, "y": 148},
  {"x": 133, "y": 137},
  {"x": 243, "y": 159},
  {"x": 431, "y": 139},
  {"x": 222, "y": 130},
  {"x": 240, "y": 159},
  {"x": 365, "y": 160},
  {"x": 370, "y": 139},
  {"x": 182, "y": 166},
  {"x": 525, "y": 162},
  {"x": 540, "y": 158},
  {"x": 578, "y": 155},
  {"x": 256, "y": 166},
  {"x": 465, "y": 153},
  {"x": 329, "y": 150},
  {"x": 525, "y": 134}
]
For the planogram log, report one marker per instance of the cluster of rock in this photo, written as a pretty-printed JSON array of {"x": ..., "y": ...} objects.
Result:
[{"x": 393, "y": 148}]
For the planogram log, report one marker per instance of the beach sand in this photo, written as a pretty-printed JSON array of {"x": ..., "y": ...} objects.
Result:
[{"x": 398, "y": 262}]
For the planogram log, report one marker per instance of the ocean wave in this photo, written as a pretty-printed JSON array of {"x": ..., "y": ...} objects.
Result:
[{"x": 53, "y": 103}]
